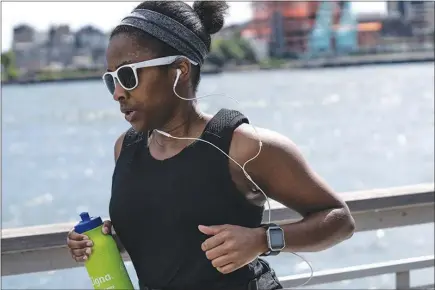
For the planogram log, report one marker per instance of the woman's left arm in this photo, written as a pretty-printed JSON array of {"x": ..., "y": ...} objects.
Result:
[{"x": 284, "y": 175}]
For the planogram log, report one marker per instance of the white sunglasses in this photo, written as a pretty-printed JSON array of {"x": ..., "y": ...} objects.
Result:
[{"x": 126, "y": 75}]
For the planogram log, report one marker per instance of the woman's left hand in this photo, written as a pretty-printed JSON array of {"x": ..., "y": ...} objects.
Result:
[{"x": 232, "y": 247}]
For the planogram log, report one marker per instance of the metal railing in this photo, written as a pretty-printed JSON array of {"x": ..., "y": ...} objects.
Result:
[
  {"x": 43, "y": 248},
  {"x": 401, "y": 269}
]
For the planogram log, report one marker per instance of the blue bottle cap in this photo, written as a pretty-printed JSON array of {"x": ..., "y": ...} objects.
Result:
[{"x": 87, "y": 223}]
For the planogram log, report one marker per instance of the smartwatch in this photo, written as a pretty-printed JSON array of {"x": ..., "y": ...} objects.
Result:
[{"x": 275, "y": 239}]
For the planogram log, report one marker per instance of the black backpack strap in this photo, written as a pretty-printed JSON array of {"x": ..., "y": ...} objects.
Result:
[{"x": 220, "y": 128}]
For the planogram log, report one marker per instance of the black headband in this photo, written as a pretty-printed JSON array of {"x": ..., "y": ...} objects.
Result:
[{"x": 170, "y": 31}]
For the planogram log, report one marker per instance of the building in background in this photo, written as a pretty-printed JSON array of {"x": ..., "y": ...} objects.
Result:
[
  {"x": 419, "y": 15},
  {"x": 409, "y": 25},
  {"x": 25, "y": 48},
  {"x": 297, "y": 28},
  {"x": 278, "y": 29},
  {"x": 59, "y": 48},
  {"x": 346, "y": 34},
  {"x": 23, "y": 34},
  {"x": 285, "y": 26},
  {"x": 90, "y": 44}
]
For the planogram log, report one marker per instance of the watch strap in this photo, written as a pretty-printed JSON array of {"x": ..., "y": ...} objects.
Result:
[
  {"x": 269, "y": 252},
  {"x": 266, "y": 226}
]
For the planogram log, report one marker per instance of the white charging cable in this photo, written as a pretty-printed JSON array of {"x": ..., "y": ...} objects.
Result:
[{"x": 242, "y": 167}]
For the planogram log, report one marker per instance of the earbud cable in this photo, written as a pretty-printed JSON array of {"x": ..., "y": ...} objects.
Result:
[{"x": 242, "y": 167}]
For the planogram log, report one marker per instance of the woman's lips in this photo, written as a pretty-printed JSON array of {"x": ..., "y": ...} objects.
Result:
[{"x": 130, "y": 115}]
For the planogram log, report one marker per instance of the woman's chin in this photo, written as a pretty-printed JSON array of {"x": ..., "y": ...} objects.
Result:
[{"x": 139, "y": 127}]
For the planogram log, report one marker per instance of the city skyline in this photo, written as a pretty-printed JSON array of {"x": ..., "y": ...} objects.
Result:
[{"x": 56, "y": 13}]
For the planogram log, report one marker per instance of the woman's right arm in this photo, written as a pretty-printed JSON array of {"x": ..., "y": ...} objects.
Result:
[
  {"x": 118, "y": 147},
  {"x": 79, "y": 245}
]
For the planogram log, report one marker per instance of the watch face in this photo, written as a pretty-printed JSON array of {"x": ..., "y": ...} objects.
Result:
[{"x": 276, "y": 238}]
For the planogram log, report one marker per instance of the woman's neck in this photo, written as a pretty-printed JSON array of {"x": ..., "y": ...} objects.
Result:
[{"x": 188, "y": 122}]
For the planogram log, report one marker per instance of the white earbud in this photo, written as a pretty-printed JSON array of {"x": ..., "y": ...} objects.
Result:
[{"x": 176, "y": 81}]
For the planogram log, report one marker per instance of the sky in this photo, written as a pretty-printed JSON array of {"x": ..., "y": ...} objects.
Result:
[{"x": 77, "y": 14}]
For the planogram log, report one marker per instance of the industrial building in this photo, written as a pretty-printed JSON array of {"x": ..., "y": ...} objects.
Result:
[{"x": 305, "y": 28}]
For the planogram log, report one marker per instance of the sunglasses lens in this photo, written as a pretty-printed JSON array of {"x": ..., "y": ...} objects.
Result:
[
  {"x": 110, "y": 83},
  {"x": 126, "y": 77}
]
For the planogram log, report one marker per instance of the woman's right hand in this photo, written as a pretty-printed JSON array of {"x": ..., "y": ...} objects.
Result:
[{"x": 80, "y": 246}]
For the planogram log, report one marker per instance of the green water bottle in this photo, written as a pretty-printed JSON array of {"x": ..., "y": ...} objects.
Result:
[{"x": 105, "y": 265}]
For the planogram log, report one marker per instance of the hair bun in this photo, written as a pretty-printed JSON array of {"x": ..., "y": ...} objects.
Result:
[{"x": 212, "y": 14}]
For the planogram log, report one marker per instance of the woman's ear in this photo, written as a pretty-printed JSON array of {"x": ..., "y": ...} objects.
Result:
[{"x": 183, "y": 68}]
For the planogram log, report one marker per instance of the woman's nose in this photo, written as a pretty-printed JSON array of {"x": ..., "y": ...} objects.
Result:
[{"x": 119, "y": 92}]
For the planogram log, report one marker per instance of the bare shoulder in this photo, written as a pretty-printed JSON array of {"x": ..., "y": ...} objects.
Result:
[
  {"x": 118, "y": 145},
  {"x": 245, "y": 144},
  {"x": 279, "y": 169},
  {"x": 282, "y": 171}
]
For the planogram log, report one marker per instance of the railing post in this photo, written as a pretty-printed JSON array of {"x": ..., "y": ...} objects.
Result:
[{"x": 403, "y": 280}]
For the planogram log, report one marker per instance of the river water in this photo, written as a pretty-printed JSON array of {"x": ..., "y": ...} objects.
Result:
[{"x": 359, "y": 128}]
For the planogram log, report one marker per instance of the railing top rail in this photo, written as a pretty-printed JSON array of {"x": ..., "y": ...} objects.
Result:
[
  {"x": 374, "y": 199},
  {"x": 390, "y": 196},
  {"x": 360, "y": 271},
  {"x": 53, "y": 235}
]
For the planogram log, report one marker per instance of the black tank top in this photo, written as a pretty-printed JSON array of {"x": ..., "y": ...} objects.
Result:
[{"x": 156, "y": 207}]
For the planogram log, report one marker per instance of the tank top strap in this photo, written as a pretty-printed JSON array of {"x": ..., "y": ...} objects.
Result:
[
  {"x": 128, "y": 151},
  {"x": 131, "y": 137},
  {"x": 220, "y": 128}
]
